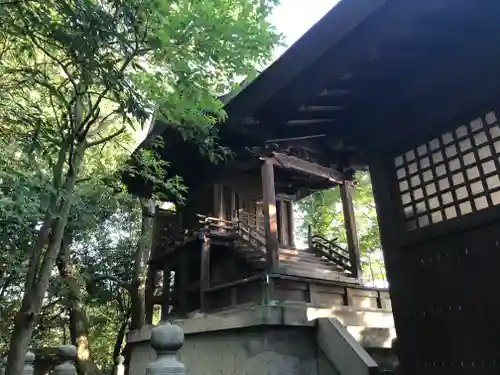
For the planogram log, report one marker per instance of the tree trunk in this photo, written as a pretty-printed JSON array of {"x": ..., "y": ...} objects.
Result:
[
  {"x": 75, "y": 303},
  {"x": 33, "y": 297},
  {"x": 121, "y": 336},
  {"x": 138, "y": 297}
]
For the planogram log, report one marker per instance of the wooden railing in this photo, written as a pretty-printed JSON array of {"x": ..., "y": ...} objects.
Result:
[
  {"x": 252, "y": 236},
  {"x": 329, "y": 249},
  {"x": 215, "y": 224},
  {"x": 251, "y": 220},
  {"x": 179, "y": 238},
  {"x": 246, "y": 231}
]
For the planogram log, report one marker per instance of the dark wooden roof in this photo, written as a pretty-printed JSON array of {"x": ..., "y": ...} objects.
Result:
[
  {"x": 372, "y": 76},
  {"x": 373, "y": 72}
]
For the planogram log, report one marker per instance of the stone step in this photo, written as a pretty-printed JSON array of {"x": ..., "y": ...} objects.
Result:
[
  {"x": 319, "y": 274},
  {"x": 310, "y": 264},
  {"x": 251, "y": 254},
  {"x": 302, "y": 259},
  {"x": 311, "y": 267},
  {"x": 306, "y": 259}
]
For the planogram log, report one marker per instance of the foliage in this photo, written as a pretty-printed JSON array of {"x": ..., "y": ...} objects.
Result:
[
  {"x": 323, "y": 211},
  {"x": 77, "y": 78}
]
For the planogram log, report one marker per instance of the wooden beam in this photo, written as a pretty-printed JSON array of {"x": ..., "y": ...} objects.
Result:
[
  {"x": 321, "y": 108},
  {"x": 204, "y": 269},
  {"x": 310, "y": 121},
  {"x": 351, "y": 232},
  {"x": 270, "y": 218},
  {"x": 335, "y": 92},
  {"x": 296, "y": 138},
  {"x": 307, "y": 167}
]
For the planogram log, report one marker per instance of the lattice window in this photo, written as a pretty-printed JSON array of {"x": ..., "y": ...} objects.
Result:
[{"x": 452, "y": 175}]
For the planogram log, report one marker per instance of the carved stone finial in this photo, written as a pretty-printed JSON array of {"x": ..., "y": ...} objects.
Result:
[
  {"x": 67, "y": 355},
  {"x": 166, "y": 340},
  {"x": 3, "y": 364},
  {"x": 29, "y": 360},
  {"x": 120, "y": 367}
]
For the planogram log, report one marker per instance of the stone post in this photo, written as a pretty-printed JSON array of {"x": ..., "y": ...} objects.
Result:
[
  {"x": 3, "y": 364},
  {"x": 120, "y": 367},
  {"x": 67, "y": 356},
  {"x": 29, "y": 363},
  {"x": 166, "y": 340},
  {"x": 395, "y": 349}
]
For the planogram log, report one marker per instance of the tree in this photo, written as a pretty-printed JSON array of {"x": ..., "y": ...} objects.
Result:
[
  {"x": 77, "y": 74},
  {"x": 323, "y": 211}
]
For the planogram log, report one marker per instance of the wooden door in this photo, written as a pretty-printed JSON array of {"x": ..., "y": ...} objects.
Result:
[{"x": 439, "y": 214}]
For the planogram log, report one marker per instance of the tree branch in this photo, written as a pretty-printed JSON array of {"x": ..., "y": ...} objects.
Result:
[
  {"x": 33, "y": 38},
  {"x": 102, "y": 123},
  {"x": 107, "y": 138},
  {"x": 115, "y": 279},
  {"x": 103, "y": 94}
]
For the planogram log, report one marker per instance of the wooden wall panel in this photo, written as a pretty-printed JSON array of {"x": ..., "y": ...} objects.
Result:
[
  {"x": 288, "y": 290},
  {"x": 440, "y": 232},
  {"x": 327, "y": 300}
]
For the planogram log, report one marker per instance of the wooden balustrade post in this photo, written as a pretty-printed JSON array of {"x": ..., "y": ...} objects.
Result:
[
  {"x": 351, "y": 232},
  {"x": 218, "y": 201},
  {"x": 205, "y": 268},
  {"x": 166, "y": 340},
  {"x": 270, "y": 219}
]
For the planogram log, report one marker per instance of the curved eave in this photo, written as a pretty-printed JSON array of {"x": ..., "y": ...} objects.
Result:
[
  {"x": 376, "y": 75},
  {"x": 329, "y": 30}
]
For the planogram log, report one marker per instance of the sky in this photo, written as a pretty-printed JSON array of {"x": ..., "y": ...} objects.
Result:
[{"x": 294, "y": 17}]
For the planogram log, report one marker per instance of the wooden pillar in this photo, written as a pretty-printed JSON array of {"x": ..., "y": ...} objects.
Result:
[
  {"x": 218, "y": 201},
  {"x": 291, "y": 225},
  {"x": 149, "y": 295},
  {"x": 205, "y": 269},
  {"x": 233, "y": 205},
  {"x": 350, "y": 227},
  {"x": 309, "y": 236},
  {"x": 279, "y": 216},
  {"x": 270, "y": 219},
  {"x": 181, "y": 291},
  {"x": 165, "y": 304}
]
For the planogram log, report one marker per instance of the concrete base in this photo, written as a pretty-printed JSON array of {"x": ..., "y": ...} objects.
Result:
[{"x": 253, "y": 340}]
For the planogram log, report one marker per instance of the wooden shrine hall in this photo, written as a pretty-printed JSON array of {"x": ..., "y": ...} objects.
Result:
[
  {"x": 409, "y": 89},
  {"x": 235, "y": 235}
]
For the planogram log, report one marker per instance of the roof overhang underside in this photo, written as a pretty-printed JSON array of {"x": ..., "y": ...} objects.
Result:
[
  {"x": 378, "y": 75},
  {"x": 370, "y": 76}
]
